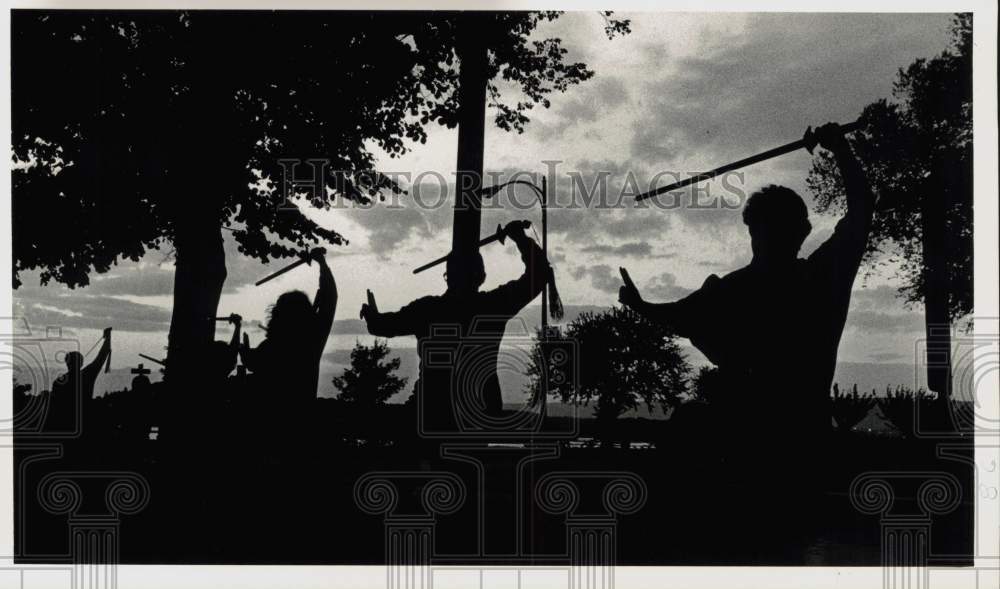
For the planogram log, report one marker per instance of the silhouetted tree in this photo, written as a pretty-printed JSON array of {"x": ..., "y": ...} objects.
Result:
[
  {"x": 917, "y": 152},
  {"x": 132, "y": 130},
  {"x": 623, "y": 361},
  {"x": 369, "y": 380}
]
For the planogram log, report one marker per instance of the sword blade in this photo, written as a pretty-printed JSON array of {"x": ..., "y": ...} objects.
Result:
[
  {"x": 152, "y": 359},
  {"x": 495, "y": 237},
  {"x": 278, "y": 273},
  {"x": 747, "y": 161}
]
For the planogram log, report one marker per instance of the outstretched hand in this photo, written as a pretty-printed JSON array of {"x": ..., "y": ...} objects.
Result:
[
  {"x": 628, "y": 294},
  {"x": 369, "y": 308},
  {"x": 107, "y": 333}
]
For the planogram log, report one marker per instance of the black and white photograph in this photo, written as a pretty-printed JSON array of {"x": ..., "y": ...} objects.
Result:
[{"x": 500, "y": 296}]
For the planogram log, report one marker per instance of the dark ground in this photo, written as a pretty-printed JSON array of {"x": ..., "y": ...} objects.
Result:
[{"x": 238, "y": 505}]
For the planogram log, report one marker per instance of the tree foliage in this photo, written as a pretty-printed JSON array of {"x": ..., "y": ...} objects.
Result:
[
  {"x": 623, "y": 361},
  {"x": 916, "y": 146},
  {"x": 127, "y": 125},
  {"x": 370, "y": 379}
]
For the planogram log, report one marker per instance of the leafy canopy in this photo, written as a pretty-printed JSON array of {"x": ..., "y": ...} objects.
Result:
[{"x": 128, "y": 125}]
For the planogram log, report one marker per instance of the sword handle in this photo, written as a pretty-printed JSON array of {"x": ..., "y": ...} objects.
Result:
[{"x": 810, "y": 141}]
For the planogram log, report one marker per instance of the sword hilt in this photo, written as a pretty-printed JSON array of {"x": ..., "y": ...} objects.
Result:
[{"x": 810, "y": 141}]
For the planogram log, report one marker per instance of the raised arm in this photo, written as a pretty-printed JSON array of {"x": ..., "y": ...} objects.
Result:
[
  {"x": 860, "y": 199},
  {"x": 516, "y": 294},
  {"x": 536, "y": 268},
  {"x": 841, "y": 254},
  {"x": 325, "y": 303},
  {"x": 233, "y": 351},
  {"x": 234, "y": 342},
  {"x": 102, "y": 355}
]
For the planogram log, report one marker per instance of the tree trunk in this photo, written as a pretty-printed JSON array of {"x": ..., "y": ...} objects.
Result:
[
  {"x": 471, "y": 131},
  {"x": 937, "y": 320},
  {"x": 198, "y": 149},
  {"x": 198, "y": 280}
]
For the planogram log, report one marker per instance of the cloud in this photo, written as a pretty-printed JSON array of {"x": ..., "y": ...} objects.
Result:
[
  {"x": 338, "y": 357},
  {"x": 349, "y": 327},
  {"x": 637, "y": 249},
  {"x": 762, "y": 86},
  {"x": 52, "y": 306},
  {"x": 423, "y": 214},
  {"x": 602, "y": 277},
  {"x": 884, "y": 357},
  {"x": 874, "y": 321},
  {"x": 134, "y": 280},
  {"x": 153, "y": 275},
  {"x": 665, "y": 288},
  {"x": 878, "y": 310},
  {"x": 601, "y": 96},
  {"x": 879, "y": 298}
]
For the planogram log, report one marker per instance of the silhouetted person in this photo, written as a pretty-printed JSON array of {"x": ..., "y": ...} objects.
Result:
[
  {"x": 140, "y": 382},
  {"x": 73, "y": 391},
  {"x": 286, "y": 363},
  {"x": 774, "y": 326},
  {"x": 481, "y": 319}
]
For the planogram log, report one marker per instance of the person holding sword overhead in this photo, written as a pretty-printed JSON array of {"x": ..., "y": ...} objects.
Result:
[
  {"x": 285, "y": 365},
  {"x": 77, "y": 380},
  {"x": 773, "y": 327},
  {"x": 480, "y": 316}
]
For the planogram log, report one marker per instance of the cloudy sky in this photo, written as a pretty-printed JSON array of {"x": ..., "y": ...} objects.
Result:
[{"x": 681, "y": 94}]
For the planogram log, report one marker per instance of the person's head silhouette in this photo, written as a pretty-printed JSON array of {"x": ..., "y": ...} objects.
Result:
[
  {"x": 74, "y": 360},
  {"x": 464, "y": 273},
  {"x": 778, "y": 221},
  {"x": 140, "y": 384},
  {"x": 289, "y": 315}
]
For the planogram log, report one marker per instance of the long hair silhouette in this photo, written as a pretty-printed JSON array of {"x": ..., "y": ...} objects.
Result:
[{"x": 289, "y": 315}]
